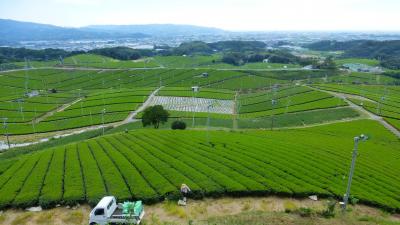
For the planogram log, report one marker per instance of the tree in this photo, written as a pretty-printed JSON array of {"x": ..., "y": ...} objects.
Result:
[
  {"x": 154, "y": 115},
  {"x": 328, "y": 64},
  {"x": 178, "y": 125}
]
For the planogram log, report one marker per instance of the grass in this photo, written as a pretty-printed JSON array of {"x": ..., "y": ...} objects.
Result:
[
  {"x": 45, "y": 218},
  {"x": 266, "y": 218},
  {"x": 172, "y": 209},
  {"x": 22, "y": 219},
  {"x": 75, "y": 217},
  {"x": 3, "y": 217}
]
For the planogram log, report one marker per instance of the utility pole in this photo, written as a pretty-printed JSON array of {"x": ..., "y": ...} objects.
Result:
[
  {"x": 102, "y": 118},
  {"x": 208, "y": 123},
  {"x": 379, "y": 111},
  {"x": 21, "y": 109},
  {"x": 33, "y": 122},
  {"x": 357, "y": 139},
  {"x": 273, "y": 102},
  {"x": 61, "y": 61},
  {"x": 5, "y": 126},
  {"x": 194, "y": 94},
  {"x": 26, "y": 76}
]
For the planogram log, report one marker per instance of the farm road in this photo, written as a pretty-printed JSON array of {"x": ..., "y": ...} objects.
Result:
[
  {"x": 132, "y": 115},
  {"x": 59, "y": 109}
]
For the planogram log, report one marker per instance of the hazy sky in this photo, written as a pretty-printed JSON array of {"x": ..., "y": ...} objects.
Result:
[{"x": 227, "y": 14}]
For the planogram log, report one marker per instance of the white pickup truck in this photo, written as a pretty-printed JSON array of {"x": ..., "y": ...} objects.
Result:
[{"x": 107, "y": 211}]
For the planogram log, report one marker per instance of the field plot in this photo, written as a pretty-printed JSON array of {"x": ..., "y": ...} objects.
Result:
[
  {"x": 281, "y": 100},
  {"x": 151, "y": 165},
  {"x": 380, "y": 100},
  {"x": 202, "y": 93},
  {"x": 187, "y": 104},
  {"x": 93, "y": 108}
]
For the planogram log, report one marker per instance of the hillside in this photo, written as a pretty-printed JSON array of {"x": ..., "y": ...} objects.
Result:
[{"x": 151, "y": 165}]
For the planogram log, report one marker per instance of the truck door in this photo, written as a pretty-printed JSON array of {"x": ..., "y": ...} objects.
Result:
[{"x": 100, "y": 216}]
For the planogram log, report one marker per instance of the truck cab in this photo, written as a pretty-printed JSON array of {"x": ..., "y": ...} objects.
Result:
[{"x": 107, "y": 211}]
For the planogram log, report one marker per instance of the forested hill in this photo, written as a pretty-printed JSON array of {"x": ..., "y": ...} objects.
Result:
[
  {"x": 360, "y": 48},
  {"x": 388, "y": 52}
]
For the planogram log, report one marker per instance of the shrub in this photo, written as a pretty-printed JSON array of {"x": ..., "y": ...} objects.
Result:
[
  {"x": 178, "y": 125},
  {"x": 353, "y": 200},
  {"x": 329, "y": 212},
  {"x": 304, "y": 212}
]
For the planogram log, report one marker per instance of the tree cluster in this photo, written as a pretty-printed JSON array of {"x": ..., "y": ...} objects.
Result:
[
  {"x": 8, "y": 55},
  {"x": 276, "y": 56},
  {"x": 123, "y": 53}
]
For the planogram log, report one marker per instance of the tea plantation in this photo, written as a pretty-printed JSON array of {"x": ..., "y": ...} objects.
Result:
[
  {"x": 48, "y": 100},
  {"x": 151, "y": 165}
]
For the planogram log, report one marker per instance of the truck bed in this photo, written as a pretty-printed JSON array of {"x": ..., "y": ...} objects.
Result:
[{"x": 117, "y": 216}]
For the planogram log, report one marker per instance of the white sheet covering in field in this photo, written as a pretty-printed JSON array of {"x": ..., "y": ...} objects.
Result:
[{"x": 188, "y": 104}]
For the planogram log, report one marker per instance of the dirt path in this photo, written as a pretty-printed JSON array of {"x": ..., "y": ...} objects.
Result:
[
  {"x": 361, "y": 109},
  {"x": 59, "y": 109},
  {"x": 201, "y": 211}
]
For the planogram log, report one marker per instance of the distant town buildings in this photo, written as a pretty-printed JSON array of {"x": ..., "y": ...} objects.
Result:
[{"x": 358, "y": 67}]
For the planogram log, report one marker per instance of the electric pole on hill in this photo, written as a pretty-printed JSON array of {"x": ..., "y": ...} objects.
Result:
[
  {"x": 362, "y": 137},
  {"x": 102, "y": 118},
  {"x": 208, "y": 123},
  {"x": 5, "y": 126}
]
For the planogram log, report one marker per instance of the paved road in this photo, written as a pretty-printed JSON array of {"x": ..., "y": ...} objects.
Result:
[{"x": 362, "y": 110}]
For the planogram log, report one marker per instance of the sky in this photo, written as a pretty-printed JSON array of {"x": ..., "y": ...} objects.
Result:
[{"x": 235, "y": 15}]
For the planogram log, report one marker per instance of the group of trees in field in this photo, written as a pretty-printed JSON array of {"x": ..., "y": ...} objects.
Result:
[
  {"x": 123, "y": 53},
  {"x": 272, "y": 56},
  {"x": 156, "y": 115},
  {"x": 200, "y": 47}
]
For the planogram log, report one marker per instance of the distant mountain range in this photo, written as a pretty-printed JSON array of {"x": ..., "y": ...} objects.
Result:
[{"x": 12, "y": 31}]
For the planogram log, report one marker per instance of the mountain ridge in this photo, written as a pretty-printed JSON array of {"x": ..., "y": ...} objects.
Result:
[{"x": 12, "y": 31}]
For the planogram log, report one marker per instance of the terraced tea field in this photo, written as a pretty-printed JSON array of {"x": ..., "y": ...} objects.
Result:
[
  {"x": 151, "y": 165},
  {"x": 93, "y": 109},
  {"x": 285, "y": 100},
  {"x": 380, "y": 100},
  {"x": 72, "y": 98}
]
